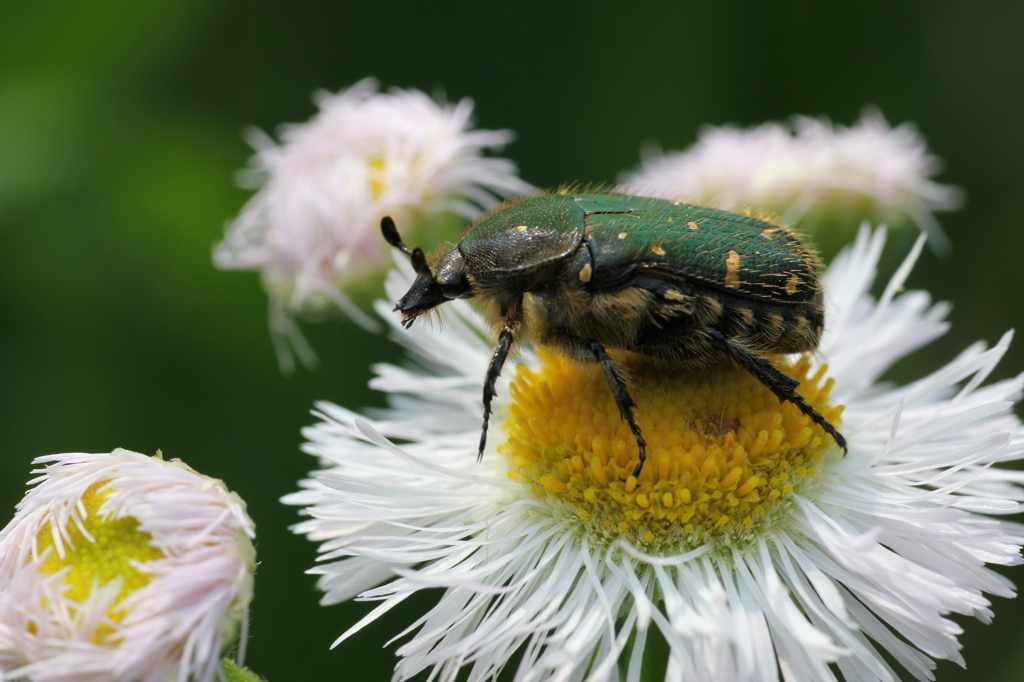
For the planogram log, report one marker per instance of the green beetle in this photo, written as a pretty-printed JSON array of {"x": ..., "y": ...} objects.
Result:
[{"x": 671, "y": 281}]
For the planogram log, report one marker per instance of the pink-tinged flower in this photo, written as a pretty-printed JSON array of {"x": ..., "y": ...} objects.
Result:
[
  {"x": 120, "y": 567},
  {"x": 807, "y": 171},
  {"x": 313, "y": 228}
]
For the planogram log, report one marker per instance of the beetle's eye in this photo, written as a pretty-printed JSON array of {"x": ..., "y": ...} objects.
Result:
[{"x": 452, "y": 284}]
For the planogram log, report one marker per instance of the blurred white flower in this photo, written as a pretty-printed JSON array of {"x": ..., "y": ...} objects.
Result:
[
  {"x": 123, "y": 568},
  {"x": 749, "y": 542},
  {"x": 313, "y": 228},
  {"x": 866, "y": 171}
]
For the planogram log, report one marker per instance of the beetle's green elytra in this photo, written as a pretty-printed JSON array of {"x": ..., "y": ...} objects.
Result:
[{"x": 676, "y": 283}]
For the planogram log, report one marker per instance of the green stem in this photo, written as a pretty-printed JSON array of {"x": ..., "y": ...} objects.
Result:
[{"x": 235, "y": 674}]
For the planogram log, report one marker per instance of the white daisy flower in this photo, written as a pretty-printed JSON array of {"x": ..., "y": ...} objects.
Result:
[
  {"x": 808, "y": 169},
  {"x": 313, "y": 228},
  {"x": 754, "y": 547},
  {"x": 123, "y": 568}
]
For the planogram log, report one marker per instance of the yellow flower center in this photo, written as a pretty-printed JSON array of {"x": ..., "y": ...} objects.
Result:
[
  {"x": 106, "y": 553},
  {"x": 723, "y": 453},
  {"x": 376, "y": 165}
]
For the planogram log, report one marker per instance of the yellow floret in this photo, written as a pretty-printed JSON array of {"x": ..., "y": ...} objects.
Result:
[
  {"x": 107, "y": 549},
  {"x": 723, "y": 452}
]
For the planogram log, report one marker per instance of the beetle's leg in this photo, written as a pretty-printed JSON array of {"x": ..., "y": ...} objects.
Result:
[
  {"x": 784, "y": 387},
  {"x": 622, "y": 398},
  {"x": 493, "y": 370}
]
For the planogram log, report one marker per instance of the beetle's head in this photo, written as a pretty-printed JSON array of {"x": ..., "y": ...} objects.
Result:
[{"x": 432, "y": 287}]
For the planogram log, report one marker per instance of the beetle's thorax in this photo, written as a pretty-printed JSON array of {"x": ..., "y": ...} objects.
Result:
[{"x": 523, "y": 239}]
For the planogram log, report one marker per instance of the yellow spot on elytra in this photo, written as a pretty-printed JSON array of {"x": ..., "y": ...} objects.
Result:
[
  {"x": 585, "y": 272},
  {"x": 622, "y": 235},
  {"x": 692, "y": 225},
  {"x": 723, "y": 453},
  {"x": 768, "y": 232},
  {"x": 522, "y": 228},
  {"x": 792, "y": 284},
  {"x": 107, "y": 549},
  {"x": 732, "y": 270},
  {"x": 657, "y": 251}
]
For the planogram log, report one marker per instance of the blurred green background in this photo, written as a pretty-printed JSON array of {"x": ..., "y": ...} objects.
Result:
[{"x": 121, "y": 130}]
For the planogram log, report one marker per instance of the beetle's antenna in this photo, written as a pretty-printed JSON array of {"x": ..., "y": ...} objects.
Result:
[
  {"x": 419, "y": 260},
  {"x": 390, "y": 232},
  {"x": 419, "y": 263}
]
